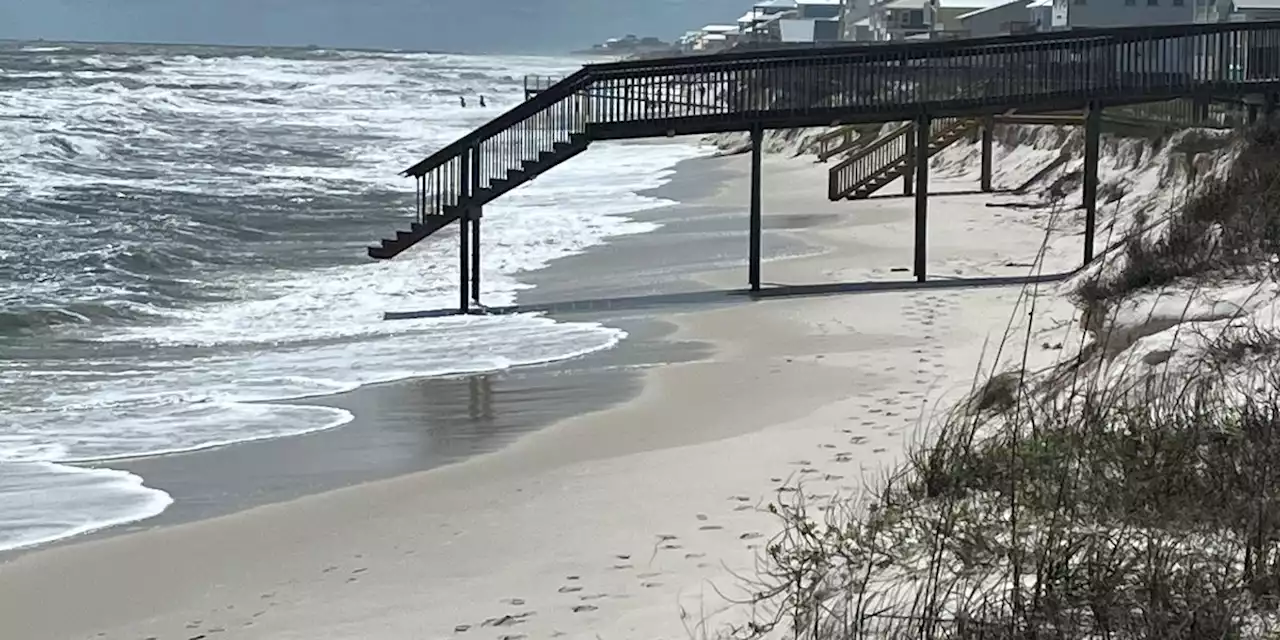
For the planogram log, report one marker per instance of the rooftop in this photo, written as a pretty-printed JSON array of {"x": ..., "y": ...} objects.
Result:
[
  {"x": 1257, "y": 4},
  {"x": 1001, "y": 5},
  {"x": 829, "y": 3},
  {"x": 719, "y": 28}
]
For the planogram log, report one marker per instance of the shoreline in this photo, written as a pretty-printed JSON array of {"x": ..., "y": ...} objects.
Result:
[
  {"x": 473, "y": 414},
  {"x": 569, "y": 499}
]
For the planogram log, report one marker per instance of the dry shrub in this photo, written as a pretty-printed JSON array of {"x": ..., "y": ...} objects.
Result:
[{"x": 1230, "y": 225}]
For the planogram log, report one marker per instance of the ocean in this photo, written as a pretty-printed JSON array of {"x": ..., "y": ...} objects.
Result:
[{"x": 182, "y": 234}]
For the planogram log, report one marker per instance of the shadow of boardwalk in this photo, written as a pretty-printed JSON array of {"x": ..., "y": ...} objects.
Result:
[{"x": 727, "y": 296}]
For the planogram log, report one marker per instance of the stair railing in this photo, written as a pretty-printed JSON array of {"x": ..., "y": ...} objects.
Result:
[
  {"x": 464, "y": 169},
  {"x": 863, "y": 166},
  {"x": 871, "y": 161},
  {"x": 834, "y": 142}
]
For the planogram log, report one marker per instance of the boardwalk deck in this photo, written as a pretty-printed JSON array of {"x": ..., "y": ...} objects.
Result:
[{"x": 754, "y": 91}]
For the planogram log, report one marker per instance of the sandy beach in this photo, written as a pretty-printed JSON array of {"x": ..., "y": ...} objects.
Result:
[{"x": 630, "y": 521}]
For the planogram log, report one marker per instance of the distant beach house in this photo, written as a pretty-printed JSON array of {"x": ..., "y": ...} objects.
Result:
[
  {"x": 793, "y": 21},
  {"x": 901, "y": 19},
  {"x": 1068, "y": 14},
  {"x": 710, "y": 39},
  {"x": 1238, "y": 10},
  {"x": 997, "y": 19}
]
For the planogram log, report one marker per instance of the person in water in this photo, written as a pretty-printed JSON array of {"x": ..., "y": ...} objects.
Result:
[
  {"x": 463, "y": 101},
  {"x": 482, "y": 101}
]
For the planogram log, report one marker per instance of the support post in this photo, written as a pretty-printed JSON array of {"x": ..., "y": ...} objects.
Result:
[
  {"x": 908, "y": 178},
  {"x": 1253, "y": 114},
  {"x": 1092, "y": 142},
  {"x": 474, "y": 213},
  {"x": 1270, "y": 111},
  {"x": 988, "y": 134},
  {"x": 753, "y": 257},
  {"x": 477, "y": 214},
  {"x": 464, "y": 254},
  {"x": 921, "y": 161}
]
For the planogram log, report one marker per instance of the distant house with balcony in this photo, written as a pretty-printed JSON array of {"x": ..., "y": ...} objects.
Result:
[
  {"x": 711, "y": 38},
  {"x": 901, "y": 19},
  {"x": 760, "y": 24}
]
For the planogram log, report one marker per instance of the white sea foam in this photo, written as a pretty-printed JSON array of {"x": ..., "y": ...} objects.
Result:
[{"x": 283, "y": 334}]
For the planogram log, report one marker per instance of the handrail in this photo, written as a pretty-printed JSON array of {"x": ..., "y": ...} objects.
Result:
[
  {"x": 546, "y": 98},
  {"x": 847, "y": 135},
  {"x": 870, "y": 161},
  {"x": 843, "y": 181}
]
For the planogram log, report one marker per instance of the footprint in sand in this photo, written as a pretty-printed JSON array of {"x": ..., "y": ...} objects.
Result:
[
  {"x": 691, "y": 556},
  {"x": 508, "y": 620},
  {"x": 702, "y": 517},
  {"x": 623, "y": 566},
  {"x": 594, "y": 596},
  {"x": 710, "y": 527},
  {"x": 585, "y": 608},
  {"x": 856, "y": 440},
  {"x": 878, "y": 450},
  {"x": 650, "y": 585},
  {"x": 752, "y": 535},
  {"x": 569, "y": 589},
  {"x": 515, "y": 602}
]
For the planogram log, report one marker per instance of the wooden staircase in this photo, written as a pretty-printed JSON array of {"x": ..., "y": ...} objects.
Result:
[
  {"x": 516, "y": 147},
  {"x": 890, "y": 158}
]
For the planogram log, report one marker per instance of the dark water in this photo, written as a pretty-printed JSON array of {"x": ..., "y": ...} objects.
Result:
[{"x": 182, "y": 235}]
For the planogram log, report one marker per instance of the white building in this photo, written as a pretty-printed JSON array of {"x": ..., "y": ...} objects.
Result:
[
  {"x": 901, "y": 19},
  {"x": 1121, "y": 13},
  {"x": 1237, "y": 10},
  {"x": 1013, "y": 16},
  {"x": 812, "y": 21}
]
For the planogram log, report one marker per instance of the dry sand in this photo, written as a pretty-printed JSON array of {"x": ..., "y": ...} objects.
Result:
[{"x": 627, "y": 523}]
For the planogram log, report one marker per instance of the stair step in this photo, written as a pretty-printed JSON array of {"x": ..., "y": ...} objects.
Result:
[{"x": 389, "y": 248}]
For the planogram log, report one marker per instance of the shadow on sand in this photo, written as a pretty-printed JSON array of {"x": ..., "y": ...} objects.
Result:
[{"x": 725, "y": 296}]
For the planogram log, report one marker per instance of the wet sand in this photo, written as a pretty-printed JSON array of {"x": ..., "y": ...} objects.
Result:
[{"x": 415, "y": 425}]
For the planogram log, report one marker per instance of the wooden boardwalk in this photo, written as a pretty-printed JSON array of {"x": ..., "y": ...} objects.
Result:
[{"x": 754, "y": 91}]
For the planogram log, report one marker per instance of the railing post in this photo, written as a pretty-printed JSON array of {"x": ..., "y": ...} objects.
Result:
[
  {"x": 908, "y": 177},
  {"x": 1092, "y": 143},
  {"x": 988, "y": 131},
  {"x": 464, "y": 215},
  {"x": 921, "y": 161},
  {"x": 753, "y": 258}
]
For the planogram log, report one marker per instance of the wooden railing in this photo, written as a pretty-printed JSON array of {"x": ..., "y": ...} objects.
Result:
[{"x": 833, "y": 143}]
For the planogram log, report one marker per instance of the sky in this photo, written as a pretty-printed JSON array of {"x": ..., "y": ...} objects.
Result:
[{"x": 499, "y": 26}]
